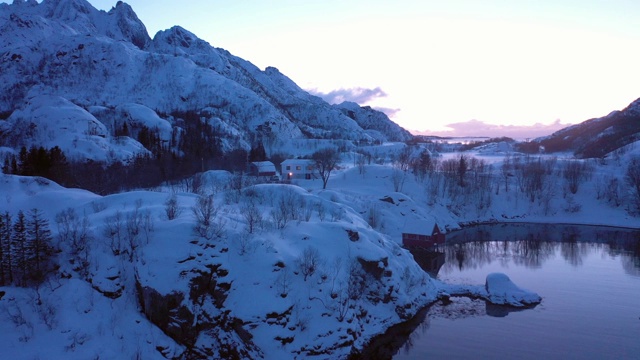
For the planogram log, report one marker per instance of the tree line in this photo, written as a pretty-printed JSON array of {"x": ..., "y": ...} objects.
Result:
[
  {"x": 195, "y": 146},
  {"x": 26, "y": 249}
]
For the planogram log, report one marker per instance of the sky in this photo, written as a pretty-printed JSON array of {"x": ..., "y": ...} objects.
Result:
[{"x": 440, "y": 67}]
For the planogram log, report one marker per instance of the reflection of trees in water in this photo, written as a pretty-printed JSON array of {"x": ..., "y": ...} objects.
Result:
[
  {"x": 572, "y": 247},
  {"x": 531, "y": 245},
  {"x": 472, "y": 254},
  {"x": 532, "y": 252},
  {"x": 627, "y": 246}
]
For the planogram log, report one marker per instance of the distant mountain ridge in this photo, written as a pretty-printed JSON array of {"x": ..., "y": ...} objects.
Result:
[
  {"x": 92, "y": 58},
  {"x": 593, "y": 138}
]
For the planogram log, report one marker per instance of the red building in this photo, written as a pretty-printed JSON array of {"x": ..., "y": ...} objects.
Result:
[{"x": 422, "y": 234}]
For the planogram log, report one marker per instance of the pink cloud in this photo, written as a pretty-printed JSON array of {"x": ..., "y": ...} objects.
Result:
[
  {"x": 480, "y": 128},
  {"x": 357, "y": 95}
]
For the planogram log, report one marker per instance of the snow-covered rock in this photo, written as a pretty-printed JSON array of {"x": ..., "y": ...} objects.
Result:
[
  {"x": 502, "y": 291},
  {"x": 498, "y": 290}
]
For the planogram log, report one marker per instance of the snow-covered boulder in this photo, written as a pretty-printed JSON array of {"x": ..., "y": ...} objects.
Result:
[
  {"x": 502, "y": 291},
  {"x": 498, "y": 290}
]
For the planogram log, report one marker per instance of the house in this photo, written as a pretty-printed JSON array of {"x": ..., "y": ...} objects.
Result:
[
  {"x": 422, "y": 234},
  {"x": 298, "y": 169},
  {"x": 262, "y": 168}
]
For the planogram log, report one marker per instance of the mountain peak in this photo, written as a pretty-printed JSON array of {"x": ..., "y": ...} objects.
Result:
[
  {"x": 65, "y": 9},
  {"x": 129, "y": 25},
  {"x": 68, "y": 48}
]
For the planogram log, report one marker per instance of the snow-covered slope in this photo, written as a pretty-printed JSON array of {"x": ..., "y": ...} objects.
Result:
[
  {"x": 49, "y": 121},
  {"x": 593, "y": 138},
  {"x": 322, "y": 282},
  {"x": 67, "y": 48},
  {"x": 283, "y": 271}
]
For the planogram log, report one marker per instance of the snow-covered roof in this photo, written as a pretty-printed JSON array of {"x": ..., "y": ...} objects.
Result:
[
  {"x": 419, "y": 227},
  {"x": 297, "y": 161},
  {"x": 264, "y": 166}
]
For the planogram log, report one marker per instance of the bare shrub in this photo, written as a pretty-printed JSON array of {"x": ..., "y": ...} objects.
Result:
[
  {"x": 252, "y": 215},
  {"x": 322, "y": 211},
  {"x": 337, "y": 213},
  {"x": 171, "y": 207},
  {"x": 309, "y": 262},
  {"x": 137, "y": 223},
  {"x": 633, "y": 179},
  {"x": 283, "y": 282},
  {"x": 245, "y": 244},
  {"x": 207, "y": 225},
  {"x": 574, "y": 172},
  {"x": 75, "y": 232},
  {"x": 113, "y": 229}
]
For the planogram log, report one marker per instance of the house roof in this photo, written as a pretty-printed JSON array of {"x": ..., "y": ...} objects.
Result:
[
  {"x": 297, "y": 161},
  {"x": 264, "y": 166},
  {"x": 419, "y": 226}
]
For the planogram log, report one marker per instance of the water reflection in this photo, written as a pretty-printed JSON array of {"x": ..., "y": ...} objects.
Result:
[
  {"x": 530, "y": 245},
  {"x": 545, "y": 255}
]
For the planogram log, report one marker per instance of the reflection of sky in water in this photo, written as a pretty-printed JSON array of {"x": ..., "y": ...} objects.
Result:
[{"x": 590, "y": 290}]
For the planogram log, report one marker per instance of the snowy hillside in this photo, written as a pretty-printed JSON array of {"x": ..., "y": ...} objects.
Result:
[
  {"x": 264, "y": 286},
  {"x": 68, "y": 49},
  {"x": 273, "y": 270},
  {"x": 595, "y": 137},
  {"x": 159, "y": 263}
]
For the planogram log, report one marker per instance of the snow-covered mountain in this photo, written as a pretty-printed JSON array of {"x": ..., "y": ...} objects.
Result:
[
  {"x": 594, "y": 138},
  {"x": 89, "y": 58}
]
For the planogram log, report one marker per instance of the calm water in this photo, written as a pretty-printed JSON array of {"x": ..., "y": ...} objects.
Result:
[{"x": 588, "y": 277}]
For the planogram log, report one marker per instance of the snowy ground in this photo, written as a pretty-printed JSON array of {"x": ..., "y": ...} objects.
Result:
[{"x": 256, "y": 284}]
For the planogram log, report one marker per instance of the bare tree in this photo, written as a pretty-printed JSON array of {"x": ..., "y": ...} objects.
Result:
[
  {"x": 113, "y": 229},
  {"x": 397, "y": 178},
  {"x": 633, "y": 179},
  {"x": 326, "y": 161},
  {"x": 283, "y": 282},
  {"x": 171, "y": 207},
  {"x": 506, "y": 171},
  {"x": 463, "y": 166},
  {"x": 309, "y": 262},
  {"x": 251, "y": 214},
  {"x": 403, "y": 159},
  {"x": 73, "y": 230},
  {"x": 205, "y": 213},
  {"x": 322, "y": 211},
  {"x": 574, "y": 172}
]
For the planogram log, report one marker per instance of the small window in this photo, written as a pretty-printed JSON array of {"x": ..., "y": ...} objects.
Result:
[
  {"x": 309, "y": 167},
  {"x": 298, "y": 167},
  {"x": 288, "y": 167}
]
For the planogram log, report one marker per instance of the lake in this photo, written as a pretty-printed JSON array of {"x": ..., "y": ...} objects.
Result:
[{"x": 588, "y": 277}]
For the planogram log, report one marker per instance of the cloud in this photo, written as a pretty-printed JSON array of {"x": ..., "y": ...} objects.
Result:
[
  {"x": 480, "y": 128},
  {"x": 357, "y": 95},
  {"x": 388, "y": 111}
]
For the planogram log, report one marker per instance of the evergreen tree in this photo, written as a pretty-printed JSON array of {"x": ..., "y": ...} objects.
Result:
[
  {"x": 5, "y": 247},
  {"x": 39, "y": 249},
  {"x": 19, "y": 263},
  {"x": 6, "y": 167},
  {"x": 59, "y": 166},
  {"x": 22, "y": 162},
  {"x": 5, "y": 255},
  {"x": 258, "y": 153}
]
